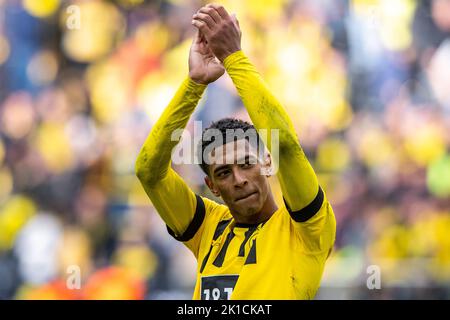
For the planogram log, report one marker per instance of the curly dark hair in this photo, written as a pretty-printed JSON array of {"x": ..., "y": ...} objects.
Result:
[{"x": 239, "y": 128}]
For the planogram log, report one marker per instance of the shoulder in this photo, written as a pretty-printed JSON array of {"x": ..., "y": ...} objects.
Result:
[{"x": 214, "y": 212}]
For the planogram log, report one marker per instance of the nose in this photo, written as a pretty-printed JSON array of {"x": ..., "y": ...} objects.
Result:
[{"x": 240, "y": 179}]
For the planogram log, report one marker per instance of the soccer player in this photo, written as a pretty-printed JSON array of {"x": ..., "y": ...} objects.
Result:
[{"x": 249, "y": 248}]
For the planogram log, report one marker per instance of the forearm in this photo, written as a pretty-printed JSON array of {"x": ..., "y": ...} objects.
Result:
[
  {"x": 297, "y": 178},
  {"x": 263, "y": 108},
  {"x": 154, "y": 158},
  {"x": 312, "y": 215}
]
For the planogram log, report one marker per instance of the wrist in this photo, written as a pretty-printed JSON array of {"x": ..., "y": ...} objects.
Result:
[
  {"x": 224, "y": 56},
  {"x": 196, "y": 82}
]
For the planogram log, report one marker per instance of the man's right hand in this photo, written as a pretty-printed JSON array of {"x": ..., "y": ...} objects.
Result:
[
  {"x": 220, "y": 29},
  {"x": 204, "y": 67}
]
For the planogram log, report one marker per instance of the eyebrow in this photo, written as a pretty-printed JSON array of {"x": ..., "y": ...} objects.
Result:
[
  {"x": 224, "y": 166},
  {"x": 245, "y": 158}
]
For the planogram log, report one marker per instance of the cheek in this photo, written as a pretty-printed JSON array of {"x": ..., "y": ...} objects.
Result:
[
  {"x": 261, "y": 180},
  {"x": 224, "y": 191},
  {"x": 264, "y": 188}
]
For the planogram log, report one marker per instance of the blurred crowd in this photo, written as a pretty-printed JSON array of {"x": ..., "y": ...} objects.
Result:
[{"x": 366, "y": 82}]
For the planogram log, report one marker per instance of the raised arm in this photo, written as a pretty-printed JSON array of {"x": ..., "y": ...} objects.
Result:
[
  {"x": 173, "y": 199},
  {"x": 304, "y": 198},
  {"x": 297, "y": 178}
]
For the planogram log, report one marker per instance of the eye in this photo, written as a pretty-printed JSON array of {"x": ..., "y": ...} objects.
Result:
[{"x": 223, "y": 173}]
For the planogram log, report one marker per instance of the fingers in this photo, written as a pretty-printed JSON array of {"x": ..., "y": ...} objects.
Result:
[
  {"x": 235, "y": 20},
  {"x": 201, "y": 26},
  {"x": 212, "y": 13},
  {"x": 197, "y": 37},
  {"x": 205, "y": 18},
  {"x": 220, "y": 9}
]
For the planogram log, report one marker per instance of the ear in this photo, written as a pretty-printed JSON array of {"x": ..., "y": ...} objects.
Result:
[
  {"x": 266, "y": 166},
  {"x": 211, "y": 186}
]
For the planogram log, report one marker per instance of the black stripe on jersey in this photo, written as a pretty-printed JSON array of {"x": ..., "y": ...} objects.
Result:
[
  {"x": 195, "y": 224},
  {"x": 248, "y": 234},
  {"x": 251, "y": 258},
  {"x": 219, "y": 230},
  {"x": 309, "y": 211},
  {"x": 205, "y": 260},
  {"x": 221, "y": 256}
]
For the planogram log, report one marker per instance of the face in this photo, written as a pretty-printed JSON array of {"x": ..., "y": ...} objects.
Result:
[{"x": 237, "y": 175}]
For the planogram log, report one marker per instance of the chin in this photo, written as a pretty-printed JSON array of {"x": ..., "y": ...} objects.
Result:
[
  {"x": 252, "y": 209},
  {"x": 249, "y": 209}
]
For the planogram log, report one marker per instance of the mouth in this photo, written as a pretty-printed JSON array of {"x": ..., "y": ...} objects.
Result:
[{"x": 247, "y": 196}]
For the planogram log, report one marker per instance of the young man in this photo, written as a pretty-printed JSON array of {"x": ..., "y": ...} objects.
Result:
[{"x": 249, "y": 248}]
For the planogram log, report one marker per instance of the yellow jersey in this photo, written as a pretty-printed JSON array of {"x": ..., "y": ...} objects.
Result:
[{"x": 276, "y": 259}]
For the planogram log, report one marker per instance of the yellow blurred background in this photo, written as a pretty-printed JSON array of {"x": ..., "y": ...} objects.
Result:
[{"x": 366, "y": 83}]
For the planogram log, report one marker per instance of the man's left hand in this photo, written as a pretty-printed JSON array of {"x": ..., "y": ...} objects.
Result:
[{"x": 220, "y": 29}]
